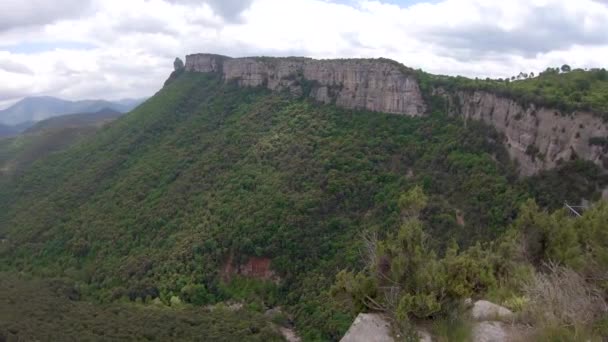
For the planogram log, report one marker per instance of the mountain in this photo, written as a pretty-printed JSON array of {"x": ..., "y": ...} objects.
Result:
[
  {"x": 263, "y": 182},
  {"x": 49, "y": 136},
  {"x": 547, "y": 120},
  {"x": 6, "y": 131},
  {"x": 9, "y": 131},
  {"x": 100, "y": 117},
  {"x": 32, "y": 109}
]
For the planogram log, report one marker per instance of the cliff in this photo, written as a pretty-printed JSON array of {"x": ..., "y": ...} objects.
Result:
[
  {"x": 538, "y": 138},
  {"x": 376, "y": 85}
]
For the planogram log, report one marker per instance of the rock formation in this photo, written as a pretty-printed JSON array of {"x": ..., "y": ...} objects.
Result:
[
  {"x": 484, "y": 311},
  {"x": 538, "y": 138},
  {"x": 376, "y": 85},
  {"x": 491, "y": 323},
  {"x": 369, "y": 327}
]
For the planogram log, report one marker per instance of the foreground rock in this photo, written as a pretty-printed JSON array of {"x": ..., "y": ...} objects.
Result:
[
  {"x": 489, "y": 332},
  {"x": 492, "y": 325},
  {"x": 289, "y": 334},
  {"x": 487, "y": 311},
  {"x": 369, "y": 328}
]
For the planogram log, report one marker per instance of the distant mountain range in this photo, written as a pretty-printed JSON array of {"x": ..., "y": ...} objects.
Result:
[
  {"x": 28, "y": 142},
  {"x": 75, "y": 120},
  {"x": 34, "y": 109}
]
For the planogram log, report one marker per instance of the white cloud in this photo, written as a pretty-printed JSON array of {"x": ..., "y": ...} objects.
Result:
[
  {"x": 11, "y": 66},
  {"x": 129, "y": 46}
]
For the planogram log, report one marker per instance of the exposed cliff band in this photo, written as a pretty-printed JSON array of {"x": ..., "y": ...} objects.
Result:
[
  {"x": 538, "y": 138},
  {"x": 376, "y": 85}
]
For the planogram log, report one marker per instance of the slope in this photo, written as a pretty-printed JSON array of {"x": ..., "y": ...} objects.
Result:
[
  {"x": 43, "y": 107},
  {"x": 7, "y": 131},
  {"x": 100, "y": 117},
  {"x": 34, "y": 317},
  {"x": 207, "y": 175},
  {"x": 48, "y": 136}
]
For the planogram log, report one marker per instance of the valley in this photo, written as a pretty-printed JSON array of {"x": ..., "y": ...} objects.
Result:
[{"x": 308, "y": 185}]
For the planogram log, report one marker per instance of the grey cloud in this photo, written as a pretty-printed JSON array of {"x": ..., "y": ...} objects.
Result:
[
  {"x": 546, "y": 29},
  {"x": 10, "y": 94},
  {"x": 22, "y": 13},
  {"x": 15, "y": 67},
  {"x": 144, "y": 25},
  {"x": 227, "y": 9}
]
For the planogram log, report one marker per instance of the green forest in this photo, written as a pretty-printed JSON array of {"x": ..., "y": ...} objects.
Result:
[{"x": 141, "y": 218}]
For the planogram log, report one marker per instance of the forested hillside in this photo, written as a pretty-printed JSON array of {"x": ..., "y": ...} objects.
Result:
[{"x": 166, "y": 202}]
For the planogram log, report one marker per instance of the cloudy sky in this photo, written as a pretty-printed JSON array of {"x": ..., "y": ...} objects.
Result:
[{"x": 114, "y": 49}]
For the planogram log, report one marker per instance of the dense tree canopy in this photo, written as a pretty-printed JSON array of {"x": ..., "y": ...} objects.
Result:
[{"x": 204, "y": 175}]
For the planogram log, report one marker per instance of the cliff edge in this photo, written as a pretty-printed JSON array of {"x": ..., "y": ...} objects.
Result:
[
  {"x": 374, "y": 84},
  {"x": 538, "y": 138}
]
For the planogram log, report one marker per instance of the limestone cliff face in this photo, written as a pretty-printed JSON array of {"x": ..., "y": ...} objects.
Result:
[
  {"x": 538, "y": 138},
  {"x": 376, "y": 85}
]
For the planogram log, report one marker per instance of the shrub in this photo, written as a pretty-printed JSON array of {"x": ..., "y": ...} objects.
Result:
[
  {"x": 561, "y": 297},
  {"x": 406, "y": 279}
]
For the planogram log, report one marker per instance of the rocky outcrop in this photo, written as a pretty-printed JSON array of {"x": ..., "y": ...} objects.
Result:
[
  {"x": 491, "y": 323},
  {"x": 490, "y": 332},
  {"x": 255, "y": 267},
  {"x": 369, "y": 327},
  {"x": 377, "y": 85},
  {"x": 538, "y": 138},
  {"x": 483, "y": 310}
]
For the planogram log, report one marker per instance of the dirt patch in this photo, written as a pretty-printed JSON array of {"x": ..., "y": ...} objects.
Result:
[{"x": 289, "y": 334}]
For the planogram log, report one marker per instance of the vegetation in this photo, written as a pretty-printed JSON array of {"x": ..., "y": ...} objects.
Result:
[
  {"x": 405, "y": 278},
  {"x": 557, "y": 262},
  {"x": 157, "y": 204},
  {"x": 49, "y": 310},
  {"x": 567, "y": 91},
  {"x": 18, "y": 153}
]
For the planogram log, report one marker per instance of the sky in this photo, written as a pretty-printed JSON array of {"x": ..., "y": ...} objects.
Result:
[{"x": 113, "y": 49}]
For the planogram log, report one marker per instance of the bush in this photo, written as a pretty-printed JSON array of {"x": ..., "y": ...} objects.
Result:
[{"x": 405, "y": 278}]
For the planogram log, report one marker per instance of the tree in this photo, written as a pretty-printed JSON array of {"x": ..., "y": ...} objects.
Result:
[
  {"x": 405, "y": 278},
  {"x": 178, "y": 64},
  {"x": 566, "y": 68}
]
